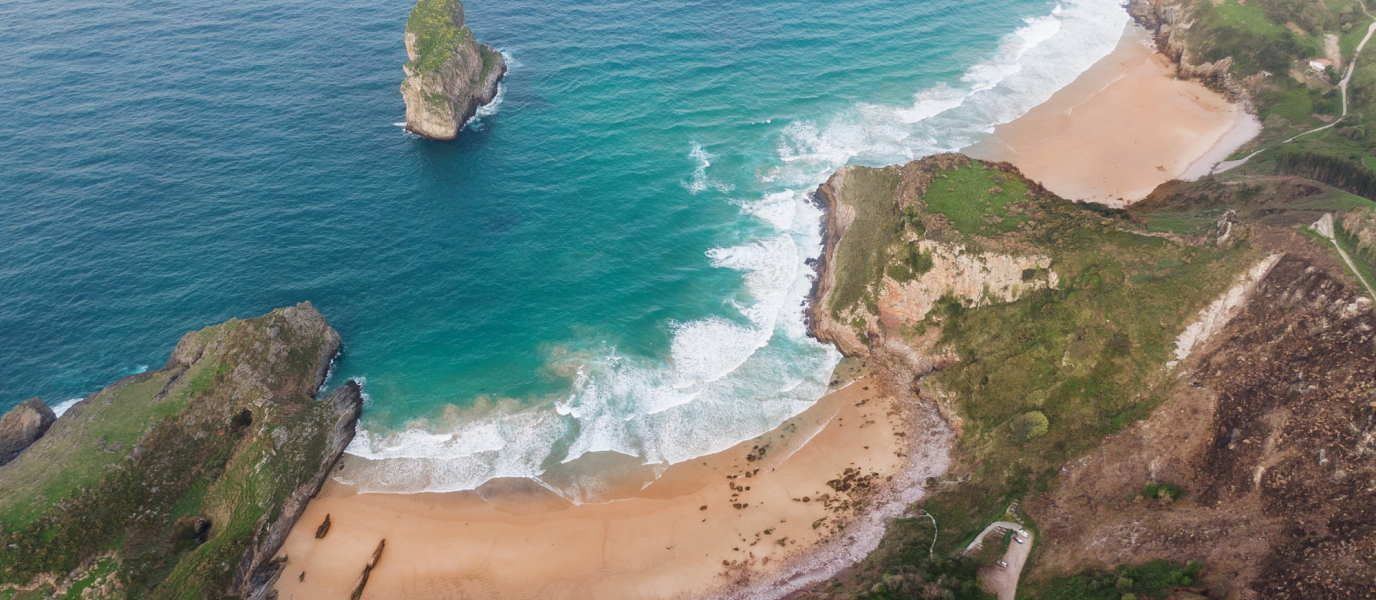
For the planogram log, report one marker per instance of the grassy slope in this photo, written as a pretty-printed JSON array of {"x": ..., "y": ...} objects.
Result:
[
  {"x": 197, "y": 459},
  {"x": 1088, "y": 356},
  {"x": 1261, "y": 36},
  {"x": 864, "y": 249}
]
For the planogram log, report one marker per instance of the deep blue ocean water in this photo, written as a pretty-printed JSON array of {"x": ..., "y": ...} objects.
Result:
[{"x": 610, "y": 258}]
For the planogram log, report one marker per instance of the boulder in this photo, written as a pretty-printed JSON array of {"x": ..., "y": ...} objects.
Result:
[{"x": 22, "y": 426}]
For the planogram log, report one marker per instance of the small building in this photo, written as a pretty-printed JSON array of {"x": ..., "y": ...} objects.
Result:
[{"x": 1319, "y": 64}]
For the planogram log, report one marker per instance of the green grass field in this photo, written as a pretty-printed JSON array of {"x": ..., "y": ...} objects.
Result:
[{"x": 975, "y": 199}]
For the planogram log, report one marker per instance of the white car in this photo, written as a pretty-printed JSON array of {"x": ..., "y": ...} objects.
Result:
[{"x": 1003, "y": 564}]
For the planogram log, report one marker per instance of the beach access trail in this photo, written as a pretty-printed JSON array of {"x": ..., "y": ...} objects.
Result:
[{"x": 1325, "y": 227}]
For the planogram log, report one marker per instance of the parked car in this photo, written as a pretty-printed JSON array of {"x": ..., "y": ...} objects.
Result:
[{"x": 1003, "y": 564}]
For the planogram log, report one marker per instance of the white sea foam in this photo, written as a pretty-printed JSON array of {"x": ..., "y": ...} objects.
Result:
[
  {"x": 726, "y": 378},
  {"x": 700, "y": 181},
  {"x": 64, "y": 406},
  {"x": 1031, "y": 64},
  {"x": 491, "y": 108},
  {"x": 734, "y": 376}
]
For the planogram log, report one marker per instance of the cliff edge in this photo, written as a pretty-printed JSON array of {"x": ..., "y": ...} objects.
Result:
[
  {"x": 181, "y": 482},
  {"x": 449, "y": 74}
]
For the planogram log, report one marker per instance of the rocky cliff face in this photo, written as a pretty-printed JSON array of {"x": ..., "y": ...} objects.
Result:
[
  {"x": 944, "y": 263},
  {"x": 1166, "y": 19},
  {"x": 186, "y": 479},
  {"x": 22, "y": 426},
  {"x": 449, "y": 74}
]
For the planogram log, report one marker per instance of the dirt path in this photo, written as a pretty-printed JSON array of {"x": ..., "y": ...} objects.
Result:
[{"x": 1325, "y": 228}]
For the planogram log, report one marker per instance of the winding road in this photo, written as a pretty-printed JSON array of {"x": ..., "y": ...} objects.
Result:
[{"x": 1229, "y": 165}]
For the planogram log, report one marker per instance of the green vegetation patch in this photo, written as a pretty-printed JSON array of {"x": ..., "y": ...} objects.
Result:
[
  {"x": 1152, "y": 580},
  {"x": 1254, "y": 35},
  {"x": 862, "y": 253},
  {"x": 1249, "y": 18},
  {"x": 439, "y": 30},
  {"x": 975, "y": 199},
  {"x": 206, "y": 451},
  {"x": 1163, "y": 491}
]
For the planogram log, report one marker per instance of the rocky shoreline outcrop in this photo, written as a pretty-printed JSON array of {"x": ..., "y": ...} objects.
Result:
[
  {"x": 218, "y": 451},
  {"x": 1165, "y": 19},
  {"x": 449, "y": 74},
  {"x": 22, "y": 426}
]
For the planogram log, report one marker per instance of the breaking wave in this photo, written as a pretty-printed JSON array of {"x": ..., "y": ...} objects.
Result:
[
  {"x": 1031, "y": 64},
  {"x": 734, "y": 376},
  {"x": 700, "y": 181}
]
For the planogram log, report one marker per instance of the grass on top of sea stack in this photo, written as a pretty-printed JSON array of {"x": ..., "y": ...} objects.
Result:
[{"x": 439, "y": 28}]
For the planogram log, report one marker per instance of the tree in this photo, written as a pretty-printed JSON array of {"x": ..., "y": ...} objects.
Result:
[{"x": 1029, "y": 425}]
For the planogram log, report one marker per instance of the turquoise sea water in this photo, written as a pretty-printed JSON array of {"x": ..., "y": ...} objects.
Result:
[{"x": 611, "y": 258}]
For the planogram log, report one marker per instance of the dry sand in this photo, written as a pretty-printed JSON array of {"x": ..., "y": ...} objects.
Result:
[
  {"x": 1122, "y": 128},
  {"x": 735, "y": 523},
  {"x": 659, "y": 542}
]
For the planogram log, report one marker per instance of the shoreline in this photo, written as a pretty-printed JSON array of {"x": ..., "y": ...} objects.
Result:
[
  {"x": 1124, "y": 127},
  {"x": 696, "y": 530},
  {"x": 748, "y": 522}
]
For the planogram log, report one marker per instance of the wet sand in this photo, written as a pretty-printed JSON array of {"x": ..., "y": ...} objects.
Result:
[
  {"x": 1122, "y": 128},
  {"x": 771, "y": 520},
  {"x": 703, "y": 526}
]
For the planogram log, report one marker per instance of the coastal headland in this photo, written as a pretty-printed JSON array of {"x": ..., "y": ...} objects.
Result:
[
  {"x": 1170, "y": 384},
  {"x": 182, "y": 481},
  {"x": 697, "y": 530}
]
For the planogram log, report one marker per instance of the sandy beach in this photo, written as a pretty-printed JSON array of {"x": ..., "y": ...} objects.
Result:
[
  {"x": 770, "y": 512},
  {"x": 758, "y": 509},
  {"x": 1122, "y": 128}
]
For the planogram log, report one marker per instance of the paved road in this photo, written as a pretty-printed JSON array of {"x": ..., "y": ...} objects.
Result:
[
  {"x": 1004, "y": 580},
  {"x": 1229, "y": 165}
]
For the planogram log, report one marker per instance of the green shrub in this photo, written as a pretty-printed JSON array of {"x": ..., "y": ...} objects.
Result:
[
  {"x": 1162, "y": 491},
  {"x": 1029, "y": 425}
]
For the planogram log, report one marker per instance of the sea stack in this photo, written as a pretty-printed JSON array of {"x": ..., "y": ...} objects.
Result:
[{"x": 449, "y": 74}]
